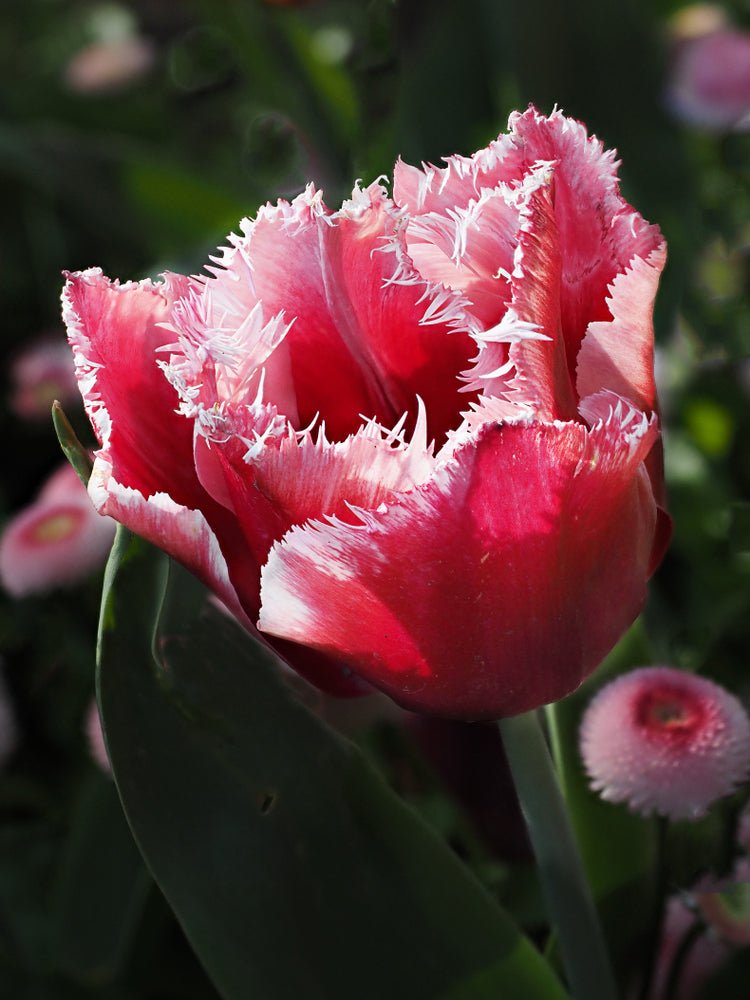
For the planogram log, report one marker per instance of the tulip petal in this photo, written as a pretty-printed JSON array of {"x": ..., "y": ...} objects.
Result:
[
  {"x": 366, "y": 333},
  {"x": 523, "y": 358},
  {"x": 618, "y": 354},
  {"x": 144, "y": 475},
  {"x": 471, "y": 250},
  {"x": 183, "y": 533},
  {"x": 529, "y": 549},
  {"x": 115, "y": 331},
  {"x": 301, "y": 477},
  {"x": 600, "y": 233}
]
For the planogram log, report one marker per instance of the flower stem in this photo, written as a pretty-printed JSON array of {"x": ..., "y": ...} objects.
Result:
[
  {"x": 660, "y": 903},
  {"x": 566, "y": 890}
]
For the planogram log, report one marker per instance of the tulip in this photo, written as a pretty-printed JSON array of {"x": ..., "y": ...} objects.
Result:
[
  {"x": 414, "y": 440},
  {"x": 55, "y": 541},
  {"x": 665, "y": 741}
]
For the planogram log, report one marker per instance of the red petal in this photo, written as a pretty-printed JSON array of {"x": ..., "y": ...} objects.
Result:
[
  {"x": 115, "y": 331},
  {"x": 147, "y": 454},
  {"x": 290, "y": 481},
  {"x": 495, "y": 588}
]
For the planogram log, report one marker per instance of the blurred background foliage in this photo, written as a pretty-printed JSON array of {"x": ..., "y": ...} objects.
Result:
[{"x": 134, "y": 136}]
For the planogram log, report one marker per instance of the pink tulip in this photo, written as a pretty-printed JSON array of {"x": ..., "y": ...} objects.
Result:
[
  {"x": 665, "y": 741},
  {"x": 42, "y": 373},
  {"x": 56, "y": 541},
  {"x": 709, "y": 83},
  {"x": 109, "y": 65},
  {"x": 414, "y": 439}
]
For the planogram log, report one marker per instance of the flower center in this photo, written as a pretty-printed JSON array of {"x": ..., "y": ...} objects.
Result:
[
  {"x": 54, "y": 527},
  {"x": 669, "y": 711}
]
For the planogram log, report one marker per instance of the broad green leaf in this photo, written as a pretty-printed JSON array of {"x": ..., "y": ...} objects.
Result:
[{"x": 292, "y": 867}]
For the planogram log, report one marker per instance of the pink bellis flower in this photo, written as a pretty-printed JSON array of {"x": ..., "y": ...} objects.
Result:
[
  {"x": 665, "y": 741},
  {"x": 56, "y": 541},
  {"x": 415, "y": 440}
]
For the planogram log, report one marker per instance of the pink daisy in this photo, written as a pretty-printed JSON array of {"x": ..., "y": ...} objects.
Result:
[
  {"x": 56, "y": 541},
  {"x": 665, "y": 741}
]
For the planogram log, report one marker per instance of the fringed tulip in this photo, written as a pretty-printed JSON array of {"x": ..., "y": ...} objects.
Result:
[
  {"x": 56, "y": 541},
  {"x": 665, "y": 741},
  {"x": 414, "y": 439}
]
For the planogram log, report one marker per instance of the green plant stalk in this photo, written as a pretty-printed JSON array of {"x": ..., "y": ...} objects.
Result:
[
  {"x": 570, "y": 906},
  {"x": 660, "y": 904}
]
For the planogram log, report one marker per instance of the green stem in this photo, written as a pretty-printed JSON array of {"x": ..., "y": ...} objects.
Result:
[
  {"x": 660, "y": 902},
  {"x": 566, "y": 890}
]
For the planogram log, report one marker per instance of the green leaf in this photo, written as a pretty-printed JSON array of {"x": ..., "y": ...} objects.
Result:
[
  {"x": 617, "y": 847},
  {"x": 292, "y": 867}
]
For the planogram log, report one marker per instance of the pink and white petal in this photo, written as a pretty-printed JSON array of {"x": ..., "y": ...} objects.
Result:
[
  {"x": 115, "y": 331},
  {"x": 315, "y": 478},
  {"x": 530, "y": 548},
  {"x": 281, "y": 261},
  {"x": 438, "y": 189},
  {"x": 299, "y": 477},
  {"x": 600, "y": 233},
  {"x": 604, "y": 406},
  {"x": 178, "y": 530},
  {"x": 364, "y": 340},
  {"x": 523, "y": 358},
  {"x": 618, "y": 354},
  {"x": 470, "y": 250}
]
